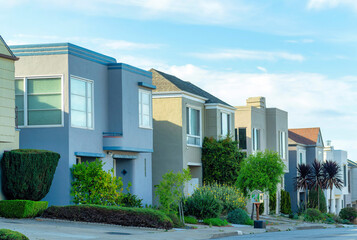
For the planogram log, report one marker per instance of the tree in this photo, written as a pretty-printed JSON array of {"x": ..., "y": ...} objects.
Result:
[
  {"x": 220, "y": 160},
  {"x": 170, "y": 189},
  {"x": 303, "y": 179},
  {"x": 332, "y": 177},
  {"x": 261, "y": 171},
  {"x": 317, "y": 179}
]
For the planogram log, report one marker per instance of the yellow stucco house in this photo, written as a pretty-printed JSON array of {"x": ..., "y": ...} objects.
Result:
[{"x": 9, "y": 137}]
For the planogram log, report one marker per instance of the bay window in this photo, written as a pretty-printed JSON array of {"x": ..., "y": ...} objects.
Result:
[
  {"x": 145, "y": 109},
  {"x": 81, "y": 103},
  {"x": 193, "y": 123},
  {"x": 39, "y": 101},
  {"x": 225, "y": 124}
]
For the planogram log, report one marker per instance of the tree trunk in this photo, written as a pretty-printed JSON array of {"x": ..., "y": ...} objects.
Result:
[{"x": 330, "y": 199}]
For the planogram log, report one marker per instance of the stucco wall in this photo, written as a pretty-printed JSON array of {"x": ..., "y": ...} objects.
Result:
[{"x": 243, "y": 118}]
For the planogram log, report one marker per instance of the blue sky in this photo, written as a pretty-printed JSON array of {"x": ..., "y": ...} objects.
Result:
[{"x": 300, "y": 54}]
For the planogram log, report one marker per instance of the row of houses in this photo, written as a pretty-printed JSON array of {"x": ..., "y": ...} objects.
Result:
[{"x": 84, "y": 105}]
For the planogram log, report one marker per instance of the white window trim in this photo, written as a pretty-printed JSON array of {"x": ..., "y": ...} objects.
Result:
[
  {"x": 255, "y": 150},
  {"x": 229, "y": 115},
  {"x": 282, "y": 144},
  {"x": 151, "y": 120},
  {"x": 187, "y": 124},
  {"x": 303, "y": 152},
  {"x": 70, "y": 104},
  {"x": 25, "y": 78}
]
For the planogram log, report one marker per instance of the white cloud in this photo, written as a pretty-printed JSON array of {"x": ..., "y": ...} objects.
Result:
[
  {"x": 248, "y": 55},
  {"x": 126, "y": 45},
  {"x": 301, "y": 41},
  {"x": 323, "y": 4},
  {"x": 262, "y": 69},
  {"x": 311, "y": 99}
]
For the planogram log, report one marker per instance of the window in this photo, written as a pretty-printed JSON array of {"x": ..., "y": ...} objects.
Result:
[
  {"x": 225, "y": 124},
  {"x": 300, "y": 160},
  {"x": 243, "y": 138},
  {"x": 145, "y": 109},
  {"x": 255, "y": 139},
  {"x": 344, "y": 176},
  {"x": 193, "y": 117},
  {"x": 81, "y": 103},
  {"x": 282, "y": 144},
  {"x": 39, "y": 101}
]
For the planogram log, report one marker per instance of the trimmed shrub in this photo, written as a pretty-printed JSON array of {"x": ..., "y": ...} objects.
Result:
[
  {"x": 239, "y": 216},
  {"x": 285, "y": 202},
  {"x": 313, "y": 202},
  {"x": 175, "y": 220},
  {"x": 313, "y": 215},
  {"x": 331, "y": 218},
  {"x": 203, "y": 204},
  {"x": 27, "y": 174},
  {"x": 272, "y": 203},
  {"x": 220, "y": 160},
  {"x": 215, "y": 222},
  {"x": 191, "y": 220},
  {"x": 348, "y": 213},
  {"x": 138, "y": 217},
  {"x": 229, "y": 196},
  {"x": 7, "y": 234},
  {"x": 131, "y": 200},
  {"x": 22, "y": 208}
]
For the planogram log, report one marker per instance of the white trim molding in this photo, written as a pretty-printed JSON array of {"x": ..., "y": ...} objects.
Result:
[
  {"x": 220, "y": 107},
  {"x": 194, "y": 164},
  {"x": 177, "y": 94}
]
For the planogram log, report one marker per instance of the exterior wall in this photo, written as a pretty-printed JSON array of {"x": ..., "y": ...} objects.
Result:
[
  {"x": 213, "y": 126},
  {"x": 354, "y": 185},
  {"x": 50, "y": 138},
  {"x": 258, "y": 120},
  {"x": 168, "y": 135},
  {"x": 243, "y": 119},
  {"x": 7, "y": 100}
]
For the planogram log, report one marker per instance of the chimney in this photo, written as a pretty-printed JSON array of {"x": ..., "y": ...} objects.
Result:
[{"x": 258, "y": 102}]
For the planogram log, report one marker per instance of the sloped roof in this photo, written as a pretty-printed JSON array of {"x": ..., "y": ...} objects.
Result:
[
  {"x": 307, "y": 136},
  {"x": 5, "y": 51},
  {"x": 351, "y": 163},
  {"x": 168, "y": 83}
]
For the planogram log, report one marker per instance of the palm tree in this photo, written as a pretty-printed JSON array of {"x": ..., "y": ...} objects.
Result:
[
  {"x": 317, "y": 179},
  {"x": 332, "y": 177},
  {"x": 303, "y": 179}
]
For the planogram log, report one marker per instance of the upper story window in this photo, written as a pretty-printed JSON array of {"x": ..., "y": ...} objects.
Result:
[
  {"x": 282, "y": 144},
  {"x": 81, "y": 103},
  {"x": 300, "y": 158},
  {"x": 225, "y": 124},
  {"x": 145, "y": 109},
  {"x": 344, "y": 175},
  {"x": 193, "y": 117},
  {"x": 255, "y": 139},
  {"x": 319, "y": 155},
  {"x": 39, "y": 101},
  {"x": 243, "y": 138}
]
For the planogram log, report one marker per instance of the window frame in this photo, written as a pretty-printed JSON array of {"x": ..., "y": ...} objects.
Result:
[
  {"x": 70, "y": 104},
  {"x": 239, "y": 144},
  {"x": 140, "y": 109},
  {"x": 282, "y": 144},
  {"x": 229, "y": 119},
  {"x": 25, "y": 78},
  {"x": 188, "y": 125},
  {"x": 258, "y": 146}
]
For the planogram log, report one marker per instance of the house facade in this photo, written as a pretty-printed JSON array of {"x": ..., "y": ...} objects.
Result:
[
  {"x": 84, "y": 105},
  {"x": 305, "y": 145},
  {"x": 339, "y": 198},
  {"x": 183, "y": 115},
  {"x": 258, "y": 128},
  {"x": 9, "y": 136},
  {"x": 352, "y": 186}
]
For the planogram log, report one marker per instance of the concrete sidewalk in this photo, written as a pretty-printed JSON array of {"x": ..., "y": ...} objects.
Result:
[{"x": 46, "y": 229}]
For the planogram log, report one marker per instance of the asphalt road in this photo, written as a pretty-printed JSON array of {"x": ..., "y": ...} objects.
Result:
[{"x": 333, "y": 233}]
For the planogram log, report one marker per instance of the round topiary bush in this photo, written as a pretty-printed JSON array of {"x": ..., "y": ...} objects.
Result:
[
  {"x": 348, "y": 213},
  {"x": 238, "y": 216},
  {"x": 203, "y": 204},
  {"x": 27, "y": 174},
  {"x": 7, "y": 234}
]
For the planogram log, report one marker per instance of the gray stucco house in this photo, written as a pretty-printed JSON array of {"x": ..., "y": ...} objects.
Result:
[
  {"x": 305, "y": 145},
  {"x": 183, "y": 115},
  {"x": 84, "y": 105}
]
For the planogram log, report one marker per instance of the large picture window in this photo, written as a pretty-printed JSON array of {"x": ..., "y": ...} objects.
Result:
[
  {"x": 145, "y": 109},
  {"x": 81, "y": 103},
  {"x": 193, "y": 116},
  {"x": 39, "y": 101},
  {"x": 225, "y": 124}
]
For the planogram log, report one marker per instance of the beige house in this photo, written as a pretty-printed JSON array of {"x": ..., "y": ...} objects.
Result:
[
  {"x": 9, "y": 137},
  {"x": 258, "y": 128},
  {"x": 183, "y": 115}
]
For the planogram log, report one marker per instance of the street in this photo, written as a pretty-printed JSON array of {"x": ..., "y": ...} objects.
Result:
[{"x": 333, "y": 233}]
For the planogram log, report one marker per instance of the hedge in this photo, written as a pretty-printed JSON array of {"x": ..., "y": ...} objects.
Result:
[
  {"x": 27, "y": 173},
  {"x": 285, "y": 202},
  {"x": 7, "y": 234},
  {"x": 138, "y": 217},
  {"x": 21, "y": 208}
]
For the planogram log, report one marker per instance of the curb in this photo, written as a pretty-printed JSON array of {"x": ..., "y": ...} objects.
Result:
[
  {"x": 227, "y": 234},
  {"x": 309, "y": 227}
]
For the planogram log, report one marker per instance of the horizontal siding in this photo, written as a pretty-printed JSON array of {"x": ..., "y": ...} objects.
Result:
[
  {"x": 7, "y": 102},
  {"x": 7, "y": 64},
  {"x": 3, "y": 49},
  {"x": 7, "y": 121},
  {"x": 8, "y": 84}
]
